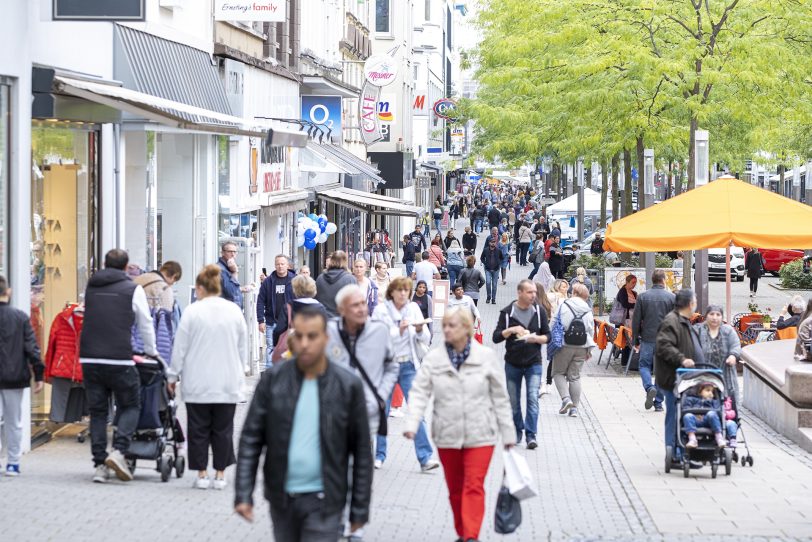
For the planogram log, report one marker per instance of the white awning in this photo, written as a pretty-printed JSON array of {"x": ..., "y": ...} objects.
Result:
[
  {"x": 367, "y": 202},
  {"x": 285, "y": 201},
  {"x": 157, "y": 109}
]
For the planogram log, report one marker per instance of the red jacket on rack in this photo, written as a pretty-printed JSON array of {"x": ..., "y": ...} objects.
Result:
[{"x": 62, "y": 356}]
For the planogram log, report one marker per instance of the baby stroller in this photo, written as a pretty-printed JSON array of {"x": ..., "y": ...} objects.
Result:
[
  {"x": 158, "y": 435},
  {"x": 707, "y": 451},
  {"x": 746, "y": 458}
]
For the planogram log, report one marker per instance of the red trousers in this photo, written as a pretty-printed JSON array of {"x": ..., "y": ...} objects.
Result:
[{"x": 465, "y": 472}]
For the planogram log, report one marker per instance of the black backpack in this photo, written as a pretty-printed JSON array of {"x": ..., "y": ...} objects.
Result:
[{"x": 576, "y": 333}]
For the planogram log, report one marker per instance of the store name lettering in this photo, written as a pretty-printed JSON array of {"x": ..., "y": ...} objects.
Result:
[
  {"x": 246, "y": 7},
  {"x": 272, "y": 181},
  {"x": 375, "y": 76},
  {"x": 369, "y": 111}
]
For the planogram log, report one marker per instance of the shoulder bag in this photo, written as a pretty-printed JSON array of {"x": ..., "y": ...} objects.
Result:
[
  {"x": 382, "y": 419},
  {"x": 618, "y": 314}
]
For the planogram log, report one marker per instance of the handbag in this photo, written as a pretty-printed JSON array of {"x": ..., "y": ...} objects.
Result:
[
  {"x": 508, "y": 514},
  {"x": 518, "y": 476},
  {"x": 382, "y": 417},
  {"x": 618, "y": 314},
  {"x": 478, "y": 336},
  {"x": 420, "y": 348}
]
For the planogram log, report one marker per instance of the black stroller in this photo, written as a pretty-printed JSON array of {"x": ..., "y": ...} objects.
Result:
[
  {"x": 746, "y": 458},
  {"x": 159, "y": 434},
  {"x": 707, "y": 451}
]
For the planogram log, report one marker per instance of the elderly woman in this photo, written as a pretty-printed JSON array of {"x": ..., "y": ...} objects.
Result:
[
  {"x": 471, "y": 410},
  {"x": 791, "y": 314},
  {"x": 471, "y": 279},
  {"x": 410, "y": 339},
  {"x": 721, "y": 347},
  {"x": 381, "y": 279},
  {"x": 804, "y": 339}
]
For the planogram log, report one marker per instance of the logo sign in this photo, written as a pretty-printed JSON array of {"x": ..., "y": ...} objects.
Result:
[
  {"x": 325, "y": 111},
  {"x": 457, "y": 133},
  {"x": 380, "y": 70},
  {"x": 259, "y": 10},
  {"x": 419, "y": 107},
  {"x": 368, "y": 113},
  {"x": 445, "y": 108},
  {"x": 423, "y": 181},
  {"x": 385, "y": 111}
]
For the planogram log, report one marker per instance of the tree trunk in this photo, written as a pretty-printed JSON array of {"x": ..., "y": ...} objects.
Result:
[
  {"x": 641, "y": 171},
  {"x": 604, "y": 190},
  {"x": 588, "y": 182},
  {"x": 669, "y": 179},
  {"x": 627, "y": 188},
  {"x": 781, "y": 170},
  {"x": 692, "y": 154},
  {"x": 615, "y": 191},
  {"x": 679, "y": 178}
]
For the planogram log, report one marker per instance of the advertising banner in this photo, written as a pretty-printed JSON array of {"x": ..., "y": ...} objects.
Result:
[
  {"x": 381, "y": 70},
  {"x": 259, "y": 10},
  {"x": 324, "y": 111}
]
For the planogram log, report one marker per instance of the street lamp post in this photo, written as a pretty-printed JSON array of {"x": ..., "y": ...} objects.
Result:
[
  {"x": 647, "y": 200},
  {"x": 579, "y": 179},
  {"x": 702, "y": 172}
]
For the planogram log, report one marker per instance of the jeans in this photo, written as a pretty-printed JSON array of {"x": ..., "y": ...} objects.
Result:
[
  {"x": 523, "y": 248},
  {"x": 303, "y": 520},
  {"x": 532, "y": 377},
  {"x": 11, "y": 411},
  {"x": 269, "y": 344},
  {"x": 731, "y": 429},
  {"x": 422, "y": 446},
  {"x": 409, "y": 268},
  {"x": 478, "y": 225},
  {"x": 670, "y": 417},
  {"x": 124, "y": 384},
  {"x": 437, "y": 224},
  {"x": 491, "y": 282},
  {"x": 535, "y": 268},
  {"x": 453, "y": 272},
  {"x": 646, "y": 364},
  {"x": 709, "y": 420}
]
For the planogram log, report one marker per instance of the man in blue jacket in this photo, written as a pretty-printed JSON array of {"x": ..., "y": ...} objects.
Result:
[
  {"x": 230, "y": 286},
  {"x": 274, "y": 295}
]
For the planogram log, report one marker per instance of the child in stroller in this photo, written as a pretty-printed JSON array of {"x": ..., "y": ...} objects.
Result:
[{"x": 702, "y": 397}]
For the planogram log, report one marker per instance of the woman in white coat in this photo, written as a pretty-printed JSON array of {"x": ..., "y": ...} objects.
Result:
[
  {"x": 471, "y": 411},
  {"x": 209, "y": 359}
]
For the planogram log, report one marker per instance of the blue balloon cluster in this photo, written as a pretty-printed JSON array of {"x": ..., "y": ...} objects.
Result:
[{"x": 313, "y": 229}]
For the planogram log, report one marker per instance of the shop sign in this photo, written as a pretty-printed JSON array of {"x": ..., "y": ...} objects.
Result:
[
  {"x": 368, "y": 113},
  {"x": 386, "y": 110},
  {"x": 98, "y": 10},
  {"x": 324, "y": 111},
  {"x": 268, "y": 166},
  {"x": 259, "y": 10},
  {"x": 445, "y": 108},
  {"x": 380, "y": 70},
  {"x": 420, "y": 107},
  {"x": 423, "y": 181},
  {"x": 457, "y": 133}
]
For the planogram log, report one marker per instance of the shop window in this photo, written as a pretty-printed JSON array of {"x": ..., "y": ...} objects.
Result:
[
  {"x": 4, "y": 169},
  {"x": 64, "y": 226}
]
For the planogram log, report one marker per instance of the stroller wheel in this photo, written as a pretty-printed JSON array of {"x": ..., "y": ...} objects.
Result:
[
  {"x": 166, "y": 468},
  {"x": 750, "y": 460},
  {"x": 728, "y": 461},
  {"x": 80, "y": 438},
  {"x": 180, "y": 466},
  {"x": 669, "y": 453},
  {"x": 686, "y": 468},
  {"x": 714, "y": 469},
  {"x": 735, "y": 457},
  {"x": 744, "y": 461}
]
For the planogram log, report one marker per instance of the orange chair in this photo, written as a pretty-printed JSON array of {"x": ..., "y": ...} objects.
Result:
[{"x": 787, "y": 333}]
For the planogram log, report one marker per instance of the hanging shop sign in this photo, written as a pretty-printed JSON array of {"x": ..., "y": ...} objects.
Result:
[
  {"x": 368, "y": 113},
  {"x": 98, "y": 10},
  {"x": 380, "y": 70},
  {"x": 258, "y": 10},
  {"x": 445, "y": 108},
  {"x": 457, "y": 133},
  {"x": 324, "y": 111},
  {"x": 420, "y": 106}
]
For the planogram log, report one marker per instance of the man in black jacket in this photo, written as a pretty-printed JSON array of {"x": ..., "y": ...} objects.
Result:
[
  {"x": 491, "y": 259},
  {"x": 523, "y": 324},
  {"x": 419, "y": 239},
  {"x": 302, "y": 408},
  {"x": 274, "y": 295},
  {"x": 469, "y": 241},
  {"x": 494, "y": 217},
  {"x": 649, "y": 311},
  {"x": 19, "y": 359},
  {"x": 677, "y": 345}
]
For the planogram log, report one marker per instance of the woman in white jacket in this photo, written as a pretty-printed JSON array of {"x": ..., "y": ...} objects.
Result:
[
  {"x": 471, "y": 411},
  {"x": 209, "y": 359}
]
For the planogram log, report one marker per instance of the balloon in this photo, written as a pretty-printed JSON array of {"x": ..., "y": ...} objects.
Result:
[
  {"x": 330, "y": 229},
  {"x": 310, "y": 244},
  {"x": 310, "y": 234},
  {"x": 322, "y": 237},
  {"x": 322, "y": 224},
  {"x": 313, "y": 216}
]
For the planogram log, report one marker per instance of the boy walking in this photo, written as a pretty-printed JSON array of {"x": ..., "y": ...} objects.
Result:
[{"x": 19, "y": 358}]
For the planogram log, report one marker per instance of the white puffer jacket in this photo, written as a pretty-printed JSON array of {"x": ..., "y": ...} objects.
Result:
[{"x": 471, "y": 406}]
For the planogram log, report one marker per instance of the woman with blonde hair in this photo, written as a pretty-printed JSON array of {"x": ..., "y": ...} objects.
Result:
[
  {"x": 504, "y": 246},
  {"x": 581, "y": 278},
  {"x": 209, "y": 359},
  {"x": 556, "y": 296},
  {"x": 463, "y": 368}
]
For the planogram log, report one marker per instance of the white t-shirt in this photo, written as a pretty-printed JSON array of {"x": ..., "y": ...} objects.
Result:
[{"x": 425, "y": 271}]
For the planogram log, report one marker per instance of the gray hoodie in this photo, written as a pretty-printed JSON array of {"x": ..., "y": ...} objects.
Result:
[{"x": 327, "y": 286}]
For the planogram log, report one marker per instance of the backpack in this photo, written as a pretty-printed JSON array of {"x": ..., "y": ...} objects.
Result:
[{"x": 575, "y": 334}]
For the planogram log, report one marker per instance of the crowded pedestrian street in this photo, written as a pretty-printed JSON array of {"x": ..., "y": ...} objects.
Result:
[{"x": 599, "y": 477}]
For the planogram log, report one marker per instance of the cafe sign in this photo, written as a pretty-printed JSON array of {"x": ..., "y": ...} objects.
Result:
[{"x": 368, "y": 113}]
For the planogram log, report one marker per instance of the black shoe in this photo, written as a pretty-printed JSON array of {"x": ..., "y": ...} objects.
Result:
[
  {"x": 532, "y": 444},
  {"x": 658, "y": 408},
  {"x": 651, "y": 393},
  {"x": 488, "y": 301}
]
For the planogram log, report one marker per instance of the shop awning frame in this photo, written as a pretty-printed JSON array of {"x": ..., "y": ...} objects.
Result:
[
  {"x": 368, "y": 202},
  {"x": 285, "y": 201},
  {"x": 347, "y": 161}
]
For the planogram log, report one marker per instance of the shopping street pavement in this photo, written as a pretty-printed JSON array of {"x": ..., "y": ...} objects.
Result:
[{"x": 600, "y": 477}]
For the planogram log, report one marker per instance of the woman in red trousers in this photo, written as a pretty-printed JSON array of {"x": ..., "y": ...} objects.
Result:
[{"x": 463, "y": 372}]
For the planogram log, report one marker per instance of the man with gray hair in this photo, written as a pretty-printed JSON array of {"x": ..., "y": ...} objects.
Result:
[{"x": 363, "y": 346}]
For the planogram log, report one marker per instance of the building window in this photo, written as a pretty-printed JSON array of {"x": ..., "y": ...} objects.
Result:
[
  {"x": 4, "y": 156},
  {"x": 428, "y": 10},
  {"x": 383, "y": 11}
]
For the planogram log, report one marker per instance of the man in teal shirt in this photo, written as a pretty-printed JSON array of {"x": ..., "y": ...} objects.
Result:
[{"x": 300, "y": 409}]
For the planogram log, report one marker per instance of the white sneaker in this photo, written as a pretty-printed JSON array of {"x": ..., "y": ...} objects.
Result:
[
  {"x": 219, "y": 483},
  {"x": 431, "y": 464},
  {"x": 115, "y": 462},
  {"x": 396, "y": 413},
  {"x": 378, "y": 463},
  {"x": 101, "y": 475},
  {"x": 544, "y": 389},
  {"x": 202, "y": 483}
]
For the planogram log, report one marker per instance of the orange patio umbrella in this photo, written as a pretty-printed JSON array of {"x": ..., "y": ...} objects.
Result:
[{"x": 724, "y": 212}]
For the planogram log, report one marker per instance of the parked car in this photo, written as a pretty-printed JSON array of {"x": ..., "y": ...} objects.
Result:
[
  {"x": 584, "y": 247},
  {"x": 716, "y": 263},
  {"x": 774, "y": 258}
]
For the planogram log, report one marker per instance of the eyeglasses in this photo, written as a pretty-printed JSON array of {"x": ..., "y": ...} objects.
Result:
[{"x": 229, "y": 251}]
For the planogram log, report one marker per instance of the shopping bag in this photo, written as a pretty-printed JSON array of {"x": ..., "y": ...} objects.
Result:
[
  {"x": 478, "y": 336},
  {"x": 518, "y": 478},
  {"x": 618, "y": 313},
  {"x": 508, "y": 513}
]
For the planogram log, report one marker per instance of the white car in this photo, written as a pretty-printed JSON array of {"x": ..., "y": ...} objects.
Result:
[{"x": 716, "y": 263}]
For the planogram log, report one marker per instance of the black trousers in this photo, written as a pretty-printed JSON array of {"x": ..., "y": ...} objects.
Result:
[
  {"x": 210, "y": 424},
  {"x": 124, "y": 385},
  {"x": 754, "y": 284},
  {"x": 304, "y": 520}
]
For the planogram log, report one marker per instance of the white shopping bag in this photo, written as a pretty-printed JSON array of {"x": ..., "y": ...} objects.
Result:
[{"x": 518, "y": 478}]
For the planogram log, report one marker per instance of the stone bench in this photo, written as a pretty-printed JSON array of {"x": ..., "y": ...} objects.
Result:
[{"x": 778, "y": 389}]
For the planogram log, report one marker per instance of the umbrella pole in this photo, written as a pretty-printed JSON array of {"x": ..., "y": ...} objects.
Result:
[{"x": 727, "y": 283}]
